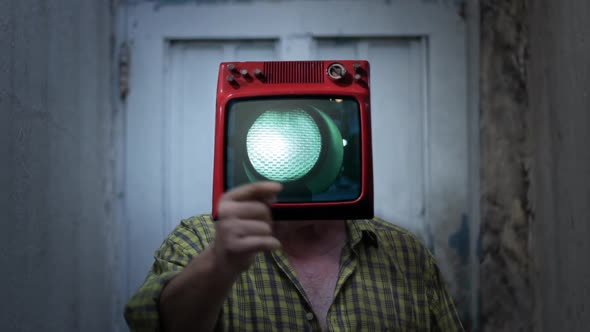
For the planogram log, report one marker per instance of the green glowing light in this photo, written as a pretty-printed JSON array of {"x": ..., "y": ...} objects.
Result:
[{"x": 284, "y": 145}]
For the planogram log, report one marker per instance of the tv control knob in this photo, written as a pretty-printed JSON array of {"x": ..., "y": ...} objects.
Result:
[{"x": 336, "y": 71}]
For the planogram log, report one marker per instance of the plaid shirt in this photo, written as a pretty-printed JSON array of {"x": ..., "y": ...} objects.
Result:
[{"x": 388, "y": 281}]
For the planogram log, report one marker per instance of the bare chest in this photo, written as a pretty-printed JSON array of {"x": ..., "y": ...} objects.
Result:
[{"x": 318, "y": 278}]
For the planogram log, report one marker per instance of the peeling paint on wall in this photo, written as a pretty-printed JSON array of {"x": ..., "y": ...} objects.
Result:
[
  {"x": 506, "y": 303},
  {"x": 460, "y": 241}
]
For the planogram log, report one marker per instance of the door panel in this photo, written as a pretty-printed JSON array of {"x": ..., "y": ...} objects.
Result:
[
  {"x": 170, "y": 161},
  {"x": 397, "y": 122},
  {"x": 192, "y": 86}
]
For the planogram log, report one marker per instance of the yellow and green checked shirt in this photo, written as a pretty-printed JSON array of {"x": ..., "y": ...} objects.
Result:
[{"x": 387, "y": 281}]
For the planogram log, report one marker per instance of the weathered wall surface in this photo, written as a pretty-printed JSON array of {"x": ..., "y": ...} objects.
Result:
[
  {"x": 535, "y": 119},
  {"x": 506, "y": 302},
  {"x": 559, "y": 91},
  {"x": 56, "y": 228}
]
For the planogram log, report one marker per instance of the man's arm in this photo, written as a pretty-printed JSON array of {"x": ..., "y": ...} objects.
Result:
[
  {"x": 142, "y": 309},
  {"x": 179, "y": 288},
  {"x": 443, "y": 313},
  {"x": 191, "y": 299}
]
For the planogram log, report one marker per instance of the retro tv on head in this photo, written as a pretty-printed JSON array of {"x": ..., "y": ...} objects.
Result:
[{"x": 305, "y": 124}]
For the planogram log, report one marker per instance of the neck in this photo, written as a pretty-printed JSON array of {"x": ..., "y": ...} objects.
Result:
[{"x": 307, "y": 239}]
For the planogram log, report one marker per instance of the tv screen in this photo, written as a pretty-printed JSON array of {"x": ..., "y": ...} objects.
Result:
[{"x": 309, "y": 144}]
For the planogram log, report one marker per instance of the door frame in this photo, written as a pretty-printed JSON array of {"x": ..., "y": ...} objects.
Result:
[{"x": 171, "y": 22}]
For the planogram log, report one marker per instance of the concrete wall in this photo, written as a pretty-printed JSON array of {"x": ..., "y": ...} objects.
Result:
[
  {"x": 56, "y": 224},
  {"x": 559, "y": 94},
  {"x": 535, "y": 130},
  {"x": 505, "y": 292}
]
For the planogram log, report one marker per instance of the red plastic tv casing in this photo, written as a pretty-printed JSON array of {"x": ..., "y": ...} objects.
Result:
[{"x": 239, "y": 80}]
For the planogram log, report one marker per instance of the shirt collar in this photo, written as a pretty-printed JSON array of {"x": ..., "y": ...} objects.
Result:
[{"x": 362, "y": 230}]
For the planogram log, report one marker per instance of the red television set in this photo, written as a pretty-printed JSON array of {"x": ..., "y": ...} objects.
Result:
[{"x": 305, "y": 124}]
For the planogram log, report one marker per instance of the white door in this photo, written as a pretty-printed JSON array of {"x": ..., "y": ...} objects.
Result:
[{"x": 418, "y": 79}]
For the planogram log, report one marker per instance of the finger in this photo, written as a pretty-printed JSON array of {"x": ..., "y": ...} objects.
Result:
[
  {"x": 259, "y": 191},
  {"x": 253, "y": 210},
  {"x": 242, "y": 228},
  {"x": 253, "y": 244}
]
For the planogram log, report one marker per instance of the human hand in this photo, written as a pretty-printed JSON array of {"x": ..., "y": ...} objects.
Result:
[{"x": 244, "y": 226}]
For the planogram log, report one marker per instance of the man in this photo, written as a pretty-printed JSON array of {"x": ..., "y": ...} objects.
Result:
[{"x": 245, "y": 272}]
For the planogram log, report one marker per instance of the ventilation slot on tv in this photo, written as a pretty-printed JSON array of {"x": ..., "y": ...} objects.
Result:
[{"x": 294, "y": 72}]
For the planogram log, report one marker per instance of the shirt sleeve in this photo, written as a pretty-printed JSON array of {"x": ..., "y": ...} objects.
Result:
[
  {"x": 142, "y": 309},
  {"x": 443, "y": 314}
]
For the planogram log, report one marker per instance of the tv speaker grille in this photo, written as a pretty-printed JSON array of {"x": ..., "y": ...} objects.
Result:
[{"x": 294, "y": 72}]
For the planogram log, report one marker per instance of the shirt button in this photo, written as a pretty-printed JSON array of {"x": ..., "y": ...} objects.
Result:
[{"x": 309, "y": 316}]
